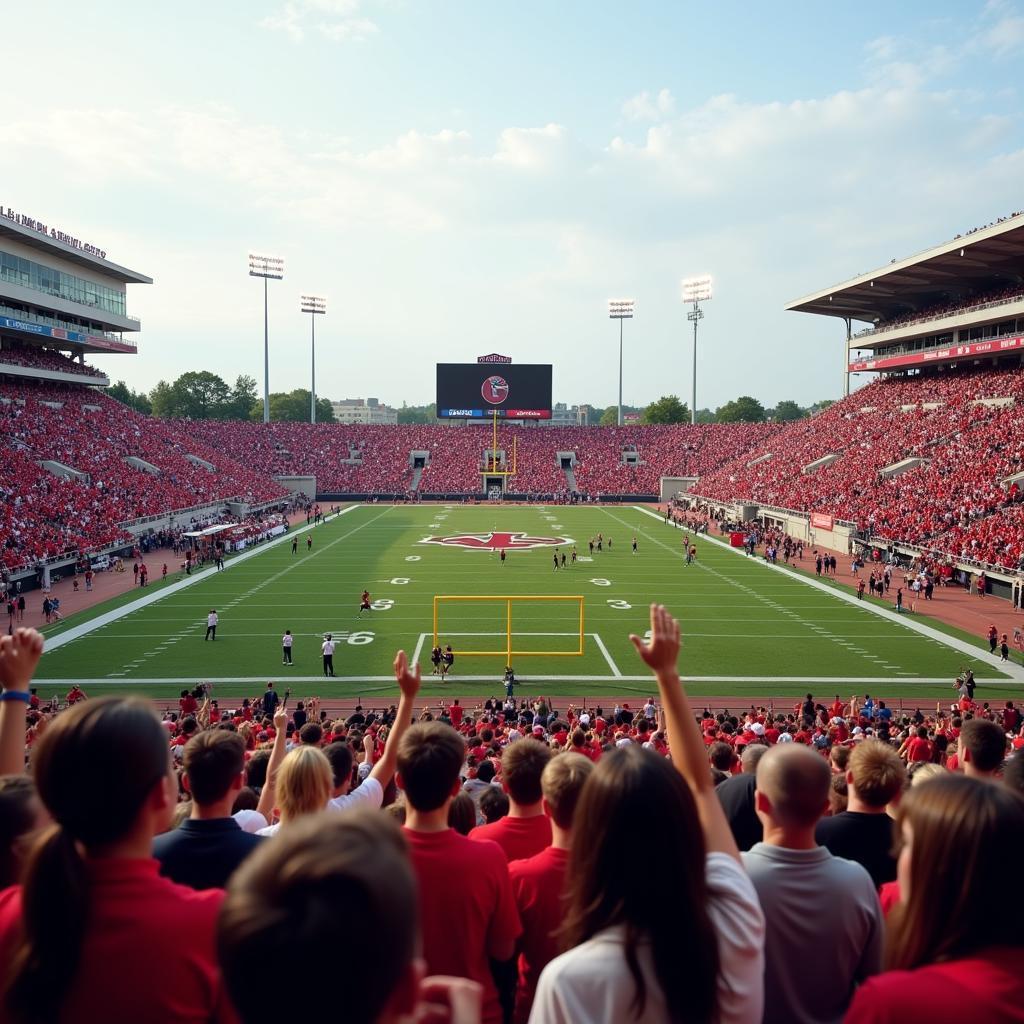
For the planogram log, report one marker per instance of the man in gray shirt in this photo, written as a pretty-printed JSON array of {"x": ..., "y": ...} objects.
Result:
[{"x": 824, "y": 928}]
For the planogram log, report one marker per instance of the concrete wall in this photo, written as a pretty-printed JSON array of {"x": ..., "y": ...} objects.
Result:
[{"x": 302, "y": 484}]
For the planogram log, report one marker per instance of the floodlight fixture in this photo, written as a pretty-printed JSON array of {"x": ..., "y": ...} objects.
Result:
[
  {"x": 621, "y": 309},
  {"x": 695, "y": 291},
  {"x": 316, "y": 306},
  {"x": 269, "y": 268}
]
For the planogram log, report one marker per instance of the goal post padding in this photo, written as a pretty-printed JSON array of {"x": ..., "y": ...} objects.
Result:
[{"x": 502, "y": 611}]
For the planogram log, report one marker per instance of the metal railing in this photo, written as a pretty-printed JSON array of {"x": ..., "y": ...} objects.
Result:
[{"x": 870, "y": 332}]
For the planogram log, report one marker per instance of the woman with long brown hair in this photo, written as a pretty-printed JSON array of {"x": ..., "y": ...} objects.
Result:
[
  {"x": 954, "y": 951},
  {"x": 662, "y": 926},
  {"x": 94, "y": 932}
]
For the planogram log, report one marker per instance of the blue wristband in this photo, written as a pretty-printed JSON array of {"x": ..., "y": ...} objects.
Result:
[{"x": 15, "y": 695}]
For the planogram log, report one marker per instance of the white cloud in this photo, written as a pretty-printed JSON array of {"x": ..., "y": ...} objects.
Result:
[
  {"x": 646, "y": 106},
  {"x": 338, "y": 20}
]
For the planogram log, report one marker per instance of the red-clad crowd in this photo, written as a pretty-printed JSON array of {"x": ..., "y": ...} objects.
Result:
[
  {"x": 497, "y": 863},
  {"x": 368, "y": 459},
  {"x": 84, "y": 430},
  {"x": 942, "y": 309},
  {"x": 968, "y": 428},
  {"x": 44, "y": 359}
]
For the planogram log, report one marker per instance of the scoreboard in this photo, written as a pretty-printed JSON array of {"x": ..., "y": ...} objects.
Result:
[{"x": 481, "y": 390}]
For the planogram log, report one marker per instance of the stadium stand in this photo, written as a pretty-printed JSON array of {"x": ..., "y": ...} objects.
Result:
[
  {"x": 93, "y": 435},
  {"x": 966, "y": 427},
  {"x": 45, "y": 359}
]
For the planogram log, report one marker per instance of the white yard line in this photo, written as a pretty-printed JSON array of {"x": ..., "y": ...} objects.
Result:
[
  {"x": 76, "y": 632},
  {"x": 457, "y": 678},
  {"x": 1016, "y": 672},
  {"x": 607, "y": 657}
]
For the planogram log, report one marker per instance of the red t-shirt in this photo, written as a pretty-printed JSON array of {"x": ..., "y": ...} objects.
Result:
[
  {"x": 149, "y": 951},
  {"x": 889, "y": 896},
  {"x": 919, "y": 749},
  {"x": 518, "y": 837},
  {"x": 465, "y": 902},
  {"x": 538, "y": 885},
  {"x": 988, "y": 986}
]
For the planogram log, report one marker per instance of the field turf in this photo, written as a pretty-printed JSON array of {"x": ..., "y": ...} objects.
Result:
[{"x": 749, "y": 631}]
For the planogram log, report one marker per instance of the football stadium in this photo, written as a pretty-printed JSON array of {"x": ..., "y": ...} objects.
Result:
[{"x": 392, "y": 698}]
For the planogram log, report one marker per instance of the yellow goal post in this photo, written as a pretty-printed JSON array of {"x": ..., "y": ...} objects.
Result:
[{"x": 508, "y": 652}]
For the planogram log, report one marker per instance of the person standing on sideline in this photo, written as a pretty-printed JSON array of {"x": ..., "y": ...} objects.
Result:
[
  {"x": 309, "y": 542},
  {"x": 286, "y": 647},
  {"x": 295, "y": 545},
  {"x": 789, "y": 871},
  {"x": 211, "y": 625},
  {"x": 327, "y": 648}
]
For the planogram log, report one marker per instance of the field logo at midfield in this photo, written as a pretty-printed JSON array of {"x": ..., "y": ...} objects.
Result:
[{"x": 497, "y": 541}]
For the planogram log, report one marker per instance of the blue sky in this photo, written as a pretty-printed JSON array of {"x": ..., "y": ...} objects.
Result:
[{"x": 459, "y": 178}]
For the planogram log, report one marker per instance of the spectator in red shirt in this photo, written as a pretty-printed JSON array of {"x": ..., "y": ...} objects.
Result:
[
  {"x": 95, "y": 930},
  {"x": 538, "y": 883},
  {"x": 954, "y": 953},
  {"x": 918, "y": 747},
  {"x": 467, "y": 914},
  {"x": 526, "y": 830}
]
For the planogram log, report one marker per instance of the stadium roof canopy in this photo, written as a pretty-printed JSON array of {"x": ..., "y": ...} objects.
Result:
[
  {"x": 52, "y": 247},
  {"x": 983, "y": 260}
]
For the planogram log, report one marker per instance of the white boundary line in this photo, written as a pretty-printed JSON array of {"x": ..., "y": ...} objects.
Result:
[
  {"x": 590, "y": 678},
  {"x": 616, "y": 673},
  {"x": 85, "y": 628},
  {"x": 1009, "y": 668}
]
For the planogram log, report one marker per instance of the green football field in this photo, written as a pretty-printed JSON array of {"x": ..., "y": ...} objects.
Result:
[{"x": 749, "y": 631}]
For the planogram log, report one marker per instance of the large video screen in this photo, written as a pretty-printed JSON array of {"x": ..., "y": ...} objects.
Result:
[{"x": 520, "y": 391}]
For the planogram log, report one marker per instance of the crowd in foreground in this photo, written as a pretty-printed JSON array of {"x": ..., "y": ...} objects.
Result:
[{"x": 509, "y": 862}]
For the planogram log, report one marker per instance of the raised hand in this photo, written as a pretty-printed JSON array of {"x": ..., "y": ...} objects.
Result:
[
  {"x": 19, "y": 656},
  {"x": 661, "y": 653},
  {"x": 408, "y": 682}
]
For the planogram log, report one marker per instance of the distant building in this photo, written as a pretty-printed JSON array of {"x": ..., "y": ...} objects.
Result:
[{"x": 363, "y": 410}]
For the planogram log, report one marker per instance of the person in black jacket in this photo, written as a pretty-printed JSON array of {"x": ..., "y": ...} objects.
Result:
[{"x": 204, "y": 851}]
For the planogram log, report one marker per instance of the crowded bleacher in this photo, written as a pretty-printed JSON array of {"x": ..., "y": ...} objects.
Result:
[
  {"x": 966, "y": 428},
  {"x": 81, "y": 506},
  {"x": 36, "y": 358}
]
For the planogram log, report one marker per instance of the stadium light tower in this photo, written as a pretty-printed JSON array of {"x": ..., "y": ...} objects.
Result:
[
  {"x": 621, "y": 309},
  {"x": 696, "y": 290},
  {"x": 266, "y": 267},
  {"x": 315, "y": 306}
]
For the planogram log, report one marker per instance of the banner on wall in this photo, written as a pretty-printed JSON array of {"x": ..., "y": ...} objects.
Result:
[{"x": 821, "y": 521}]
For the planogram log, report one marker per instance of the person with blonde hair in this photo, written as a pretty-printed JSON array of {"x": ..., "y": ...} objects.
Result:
[
  {"x": 954, "y": 953},
  {"x": 304, "y": 784}
]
